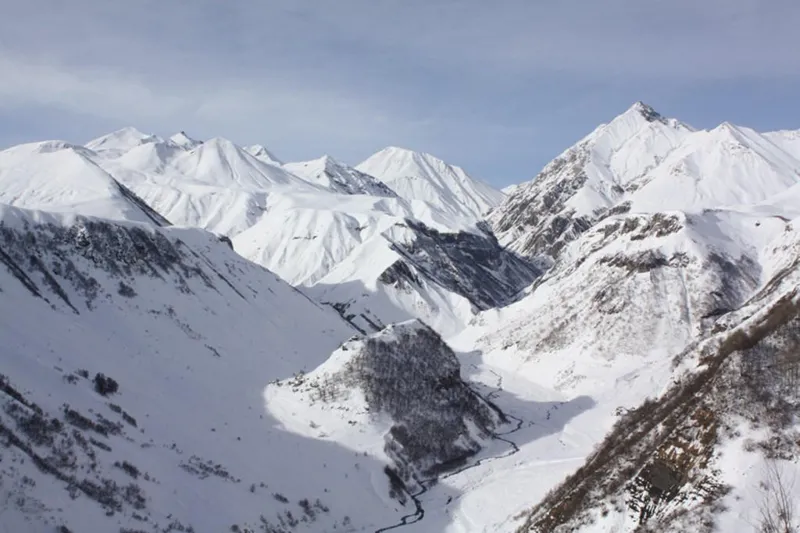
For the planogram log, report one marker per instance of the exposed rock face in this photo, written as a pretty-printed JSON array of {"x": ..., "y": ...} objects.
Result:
[
  {"x": 536, "y": 217},
  {"x": 471, "y": 265},
  {"x": 585, "y": 183}
]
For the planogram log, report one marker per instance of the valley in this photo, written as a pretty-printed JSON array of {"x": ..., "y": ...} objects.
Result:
[{"x": 200, "y": 337}]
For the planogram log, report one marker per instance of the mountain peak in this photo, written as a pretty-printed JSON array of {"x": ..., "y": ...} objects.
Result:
[
  {"x": 647, "y": 112},
  {"x": 338, "y": 177},
  {"x": 259, "y": 151},
  {"x": 422, "y": 176},
  {"x": 121, "y": 140},
  {"x": 639, "y": 111},
  {"x": 398, "y": 153},
  {"x": 184, "y": 141}
]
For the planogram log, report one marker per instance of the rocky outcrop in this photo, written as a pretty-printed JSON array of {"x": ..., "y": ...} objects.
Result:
[{"x": 472, "y": 265}]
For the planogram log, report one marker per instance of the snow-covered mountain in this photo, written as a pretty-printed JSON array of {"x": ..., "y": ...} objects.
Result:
[
  {"x": 337, "y": 177},
  {"x": 121, "y": 141},
  {"x": 637, "y": 371},
  {"x": 659, "y": 297},
  {"x": 641, "y": 161},
  {"x": 60, "y": 177},
  {"x": 372, "y": 259},
  {"x": 428, "y": 419},
  {"x": 716, "y": 446},
  {"x": 580, "y": 185},
  {"x": 304, "y": 221},
  {"x": 421, "y": 176},
  {"x": 164, "y": 373},
  {"x": 215, "y": 185}
]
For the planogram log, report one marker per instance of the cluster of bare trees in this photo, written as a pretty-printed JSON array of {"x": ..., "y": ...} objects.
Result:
[{"x": 777, "y": 508}]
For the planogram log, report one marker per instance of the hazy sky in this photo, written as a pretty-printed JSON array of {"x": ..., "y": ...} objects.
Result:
[{"x": 497, "y": 87}]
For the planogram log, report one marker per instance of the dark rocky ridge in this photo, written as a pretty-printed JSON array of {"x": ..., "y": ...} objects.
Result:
[
  {"x": 536, "y": 210},
  {"x": 45, "y": 258},
  {"x": 471, "y": 265}
]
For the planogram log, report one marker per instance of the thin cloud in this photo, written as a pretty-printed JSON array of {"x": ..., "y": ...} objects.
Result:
[{"x": 454, "y": 77}]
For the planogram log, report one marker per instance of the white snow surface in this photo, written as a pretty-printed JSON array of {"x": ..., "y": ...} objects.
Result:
[
  {"x": 58, "y": 176},
  {"x": 421, "y": 176},
  {"x": 337, "y": 177},
  {"x": 645, "y": 162},
  {"x": 121, "y": 141}
]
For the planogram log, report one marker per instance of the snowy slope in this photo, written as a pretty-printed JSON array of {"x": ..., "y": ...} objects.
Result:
[
  {"x": 216, "y": 185},
  {"x": 348, "y": 251},
  {"x": 726, "y": 166},
  {"x": 337, "y": 177},
  {"x": 402, "y": 389},
  {"x": 421, "y": 176},
  {"x": 580, "y": 185},
  {"x": 119, "y": 142},
  {"x": 220, "y": 162},
  {"x": 192, "y": 335},
  {"x": 788, "y": 140},
  {"x": 702, "y": 454},
  {"x": 58, "y": 176}
]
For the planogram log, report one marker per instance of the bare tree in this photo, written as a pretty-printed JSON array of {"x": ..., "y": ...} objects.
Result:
[{"x": 777, "y": 508}]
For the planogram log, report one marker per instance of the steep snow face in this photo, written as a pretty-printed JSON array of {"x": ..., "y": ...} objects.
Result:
[
  {"x": 579, "y": 352},
  {"x": 420, "y": 176},
  {"x": 219, "y": 162},
  {"x": 261, "y": 153},
  {"x": 121, "y": 141},
  {"x": 539, "y": 217},
  {"x": 57, "y": 176},
  {"x": 336, "y": 177},
  {"x": 182, "y": 140},
  {"x": 788, "y": 140},
  {"x": 726, "y": 166},
  {"x": 216, "y": 186},
  {"x": 402, "y": 389},
  {"x": 303, "y": 237},
  {"x": 188, "y": 336}
]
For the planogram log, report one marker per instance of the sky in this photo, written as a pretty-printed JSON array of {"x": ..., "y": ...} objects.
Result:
[{"x": 499, "y": 88}]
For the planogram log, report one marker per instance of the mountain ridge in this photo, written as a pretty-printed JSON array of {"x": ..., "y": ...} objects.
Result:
[{"x": 612, "y": 348}]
